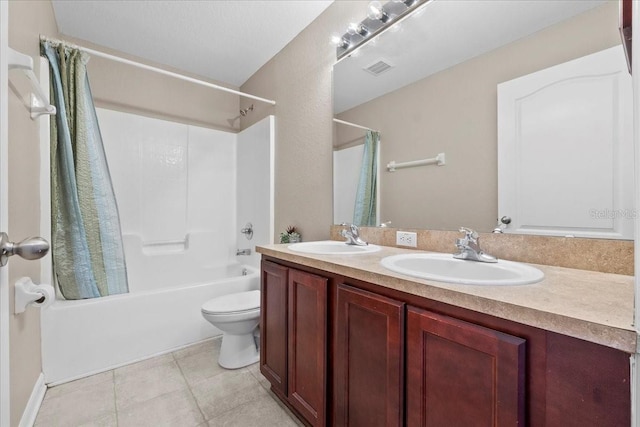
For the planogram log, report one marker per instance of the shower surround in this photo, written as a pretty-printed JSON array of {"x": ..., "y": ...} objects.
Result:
[{"x": 183, "y": 192}]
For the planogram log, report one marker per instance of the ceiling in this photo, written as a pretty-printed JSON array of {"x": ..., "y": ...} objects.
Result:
[{"x": 227, "y": 41}]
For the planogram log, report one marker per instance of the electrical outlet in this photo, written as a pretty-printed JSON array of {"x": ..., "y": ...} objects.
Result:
[{"x": 406, "y": 238}]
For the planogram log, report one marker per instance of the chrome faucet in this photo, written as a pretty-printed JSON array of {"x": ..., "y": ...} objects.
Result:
[
  {"x": 352, "y": 234},
  {"x": 469, "y": 247},
  {"x": 243, "y": 252}
]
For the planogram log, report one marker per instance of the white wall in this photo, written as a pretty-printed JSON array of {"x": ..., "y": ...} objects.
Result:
[
  {"x": 175, "y": 186},
  {"x": 255, "y": 157},
  {"x": 347, "y": 164},
  {"x": 184, "y": 192}
]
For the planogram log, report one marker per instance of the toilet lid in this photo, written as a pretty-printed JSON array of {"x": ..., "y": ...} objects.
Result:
[{"x": 233, "y": 303}]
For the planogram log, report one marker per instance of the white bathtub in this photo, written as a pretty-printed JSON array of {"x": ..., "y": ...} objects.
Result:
[{"x": 81, "y": 338}]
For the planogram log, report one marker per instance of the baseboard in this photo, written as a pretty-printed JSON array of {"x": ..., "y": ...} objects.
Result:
[{"x": 33, "y": 405}]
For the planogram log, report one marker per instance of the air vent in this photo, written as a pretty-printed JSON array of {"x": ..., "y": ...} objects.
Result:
[{"x": 378, "y": 67}]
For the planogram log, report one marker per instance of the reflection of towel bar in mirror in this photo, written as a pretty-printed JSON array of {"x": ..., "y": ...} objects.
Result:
[
  {"x": 39, "y": 101},
  {"x": 438, "y": 160}
]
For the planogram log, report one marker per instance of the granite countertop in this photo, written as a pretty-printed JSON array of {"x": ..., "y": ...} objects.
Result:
[{"x": 592, "y": 306}]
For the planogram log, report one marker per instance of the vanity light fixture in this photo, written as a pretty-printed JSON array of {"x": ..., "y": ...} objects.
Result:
[
  {"x": 407, "y": 3},
  {"x": 379, "y": 18}
]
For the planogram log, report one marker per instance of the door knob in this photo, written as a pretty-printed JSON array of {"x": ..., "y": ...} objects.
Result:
[
  {"x": 505, "y": 220},
  {"x": 30, "y": 249}
]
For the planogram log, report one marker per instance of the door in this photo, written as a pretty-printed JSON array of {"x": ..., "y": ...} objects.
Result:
[
  {"x": 273, "y": 326},
  {"x": 565, "y": 149},
  {"x": 368, "y": 359},
  {"x": 461, "y": 374},
  {"x": 307, "y": 334},
  {"x": 4, "y": 271}
]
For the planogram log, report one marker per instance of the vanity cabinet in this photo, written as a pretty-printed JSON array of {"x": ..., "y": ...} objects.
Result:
[
  {"x": 344, "y": 352},
  {"x": 293, "y": 338},
  {"x": 457, "y": 373}
]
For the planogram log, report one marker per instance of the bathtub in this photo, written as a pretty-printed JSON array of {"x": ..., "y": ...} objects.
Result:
[{"x": 84, "y": 337}]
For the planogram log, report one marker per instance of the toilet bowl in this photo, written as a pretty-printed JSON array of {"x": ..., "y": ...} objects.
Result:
[{"x": 237, "y": 316}]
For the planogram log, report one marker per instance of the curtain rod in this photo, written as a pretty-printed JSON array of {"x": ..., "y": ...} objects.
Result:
[
  {"x": 342, "y": 122},
  {"x": 158, "y": 70}
]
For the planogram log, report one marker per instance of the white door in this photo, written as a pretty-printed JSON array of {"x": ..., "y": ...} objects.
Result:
[
  {"x": 4, "y": 271},
  {"x": 565, "y": 149}
]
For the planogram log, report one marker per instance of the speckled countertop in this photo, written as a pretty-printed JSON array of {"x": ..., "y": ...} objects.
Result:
[{"x": 593, "y": 306}]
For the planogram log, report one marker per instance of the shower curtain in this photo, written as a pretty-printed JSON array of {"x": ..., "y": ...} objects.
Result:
[
  {"x": 366, "y": 201},
  {"x": 88, "y": 256}
]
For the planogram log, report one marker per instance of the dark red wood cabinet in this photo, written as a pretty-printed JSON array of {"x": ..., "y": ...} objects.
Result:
[
  {"x": 273, "y": 326},
  {"x": 342, "y": 352},
  {"x": 461, "y": 374},
  {"x": 368, "y": 359},
  {"x": 293, "y": 337},
  {"x": 307, "y": 334}
]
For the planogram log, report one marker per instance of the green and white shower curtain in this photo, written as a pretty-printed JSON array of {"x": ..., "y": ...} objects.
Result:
[
  {"x": 88, "y": 255},
  {"x": 366, "y": 197}
]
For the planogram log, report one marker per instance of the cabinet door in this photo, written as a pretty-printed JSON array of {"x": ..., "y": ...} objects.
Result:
[
  {"x": 273, "y": 326},
  {"x": 460, "y": 374},
  {"x": 308, "y": 345},
  {"x": 368, "y": 359}
]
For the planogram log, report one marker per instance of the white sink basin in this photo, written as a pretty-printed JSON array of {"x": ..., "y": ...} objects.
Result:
[
  {"x": 332, "y": 247},
  {"x": 445, "y": 268}
]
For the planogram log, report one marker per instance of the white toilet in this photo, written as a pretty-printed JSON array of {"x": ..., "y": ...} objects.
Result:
[{"x": 237, "y": 316}]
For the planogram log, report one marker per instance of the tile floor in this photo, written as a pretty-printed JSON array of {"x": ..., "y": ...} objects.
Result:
[{"x": 184, "y": 388}]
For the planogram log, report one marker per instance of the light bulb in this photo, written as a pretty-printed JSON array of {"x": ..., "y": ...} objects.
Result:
[
  {"x": 340, "y": 42},
  {"x": 357, "y": 29},
  {"x": 375, "y": 11}
]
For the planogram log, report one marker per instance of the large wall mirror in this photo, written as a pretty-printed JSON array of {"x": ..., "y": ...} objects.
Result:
[{"x": 440, "y": 95}]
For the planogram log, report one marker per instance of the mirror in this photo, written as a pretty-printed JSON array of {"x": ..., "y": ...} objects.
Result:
[{"x": 439, "y": 95}]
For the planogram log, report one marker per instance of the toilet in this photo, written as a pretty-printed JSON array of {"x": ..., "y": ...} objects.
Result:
[{"x": 237, "y": 316}]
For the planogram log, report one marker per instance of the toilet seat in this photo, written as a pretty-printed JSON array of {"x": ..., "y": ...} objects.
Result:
[{"x": 240, "y": 302}]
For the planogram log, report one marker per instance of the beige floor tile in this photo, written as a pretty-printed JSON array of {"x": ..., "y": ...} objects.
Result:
[
  {"x": 142, "y": 365},
  {"x": 173, "y": 409},
  {"x": 110, "y": 420},
  {"x": 141, "y": 385},
  {"x": 154, "y": 393},
  {"x": 264, "y": 412},
  {"x": 78, "y": 384},
  {"x": 200, "y": 366},
  {"x": 79, "y": 407},
  {"x": 255, "y": 371},
  {"x": 285, "y": 409},
  {"x": 209, "y": 346},
  {"x": 226, "y": 391}
]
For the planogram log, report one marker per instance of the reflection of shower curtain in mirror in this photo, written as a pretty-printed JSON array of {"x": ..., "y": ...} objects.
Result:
[
  {"x": 366, "y": 202},
  {"x": 86, "y": 239}
]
